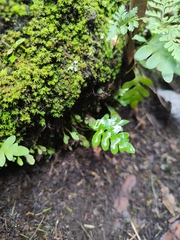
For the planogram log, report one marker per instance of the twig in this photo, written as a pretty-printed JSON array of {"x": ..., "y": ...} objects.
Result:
[
  {"x": 104, "y": 236},
  {"x": 155, "y": 196},
  {"x": 85, "y": 230},
  {"x": 134, "y": 228},
  {"x": 5, "y": 222},
  {"x": 56, "y": 232},
  {"x": 37, "y": 228}
]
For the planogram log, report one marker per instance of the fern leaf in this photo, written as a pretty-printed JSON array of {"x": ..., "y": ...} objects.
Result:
[
  {"x": 171, "y": 41},
  {"x": 153, "y": 13},
  {"x": 123, "y": 22},
  {"x": 161, "y": 10},
  {"x": 155, "y": 5},
  {"x": 133, "y": 92},
  {"x": 158, "y": 56}
]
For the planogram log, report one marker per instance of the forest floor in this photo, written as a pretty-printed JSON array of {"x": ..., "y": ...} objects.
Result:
[{"x": 88, "y": 194}]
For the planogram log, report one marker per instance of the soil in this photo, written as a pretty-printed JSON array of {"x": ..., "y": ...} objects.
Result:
[{"x": 90, "y": 194}]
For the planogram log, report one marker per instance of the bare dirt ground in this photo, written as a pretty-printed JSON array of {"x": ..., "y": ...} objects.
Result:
[{"x": 90, "y": 194}]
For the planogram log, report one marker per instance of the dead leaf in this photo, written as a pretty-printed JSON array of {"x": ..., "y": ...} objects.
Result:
[
  {"x": 29, "y": 213},
  {"x": 167, "y": 236},
  {"x": 173, "y": 233},
  {"x": 129, "y": 183},
  {"x": 122, "y": 202},
  {"x": 168, "y": 199},
  {"x": 175, "y": 228},
  {"x": 97, "y": 151}
]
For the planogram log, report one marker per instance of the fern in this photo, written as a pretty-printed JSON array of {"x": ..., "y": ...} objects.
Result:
[
  {"x": 122, "y": 22},
  {"x": 161, "y": 22},
  {"x": 154, "y": 55},
  {"x": 133, "y": 92}
]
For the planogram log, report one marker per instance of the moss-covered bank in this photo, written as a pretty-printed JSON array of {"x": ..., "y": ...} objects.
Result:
[{"x": 51, "y": 51}]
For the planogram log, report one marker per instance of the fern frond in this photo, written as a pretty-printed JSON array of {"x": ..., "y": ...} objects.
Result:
[
  {"x": 171, "y": 39},
  {"x": 161, "y": 22},
  {"x": 156, "y": 55},
  {"x": 123, "y": 22},
  {"x": 163, "y": 9},
  {"x": 133, "y": 92}
]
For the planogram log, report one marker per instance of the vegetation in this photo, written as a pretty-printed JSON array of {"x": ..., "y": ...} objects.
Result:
[
  {"x": 162, "y": 50},
  {"x": 56, "y": 52},
  {"x": 63, "y": 48},
  {"x": 11, "y": 151}
]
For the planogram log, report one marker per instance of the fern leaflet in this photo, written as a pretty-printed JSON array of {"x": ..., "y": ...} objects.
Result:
[{"x": 123, "y": 22}]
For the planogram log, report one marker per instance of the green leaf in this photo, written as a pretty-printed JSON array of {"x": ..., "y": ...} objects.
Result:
[
  {"x": 78, "y": 118},
  {"x": 146, "y": 81},
  {"x": 41, "y": 149},
  {"x": 143, "y": 91},
  {"x": 144, "y": 52},
  {"x": 123, "y": 122},
  {"x": 10, "y": 51},
  {"x": 125, "y": 146},
  {"x": 74, "y": 135},
  {"x": 114, "y": 145},
  {"x": 50, "y": 151},
  {"x": 123, "y": 135},
  {"x": 134, "y": 103},
  {"x": 8, "y": 142},
  {"x": 65, "y": 138},
  {"x": 12, "y": 58},
  {"x": 139, "y": 38},
  {"x": 9, "y": 155},
  {"x": 18, "y": 42},
  {"x": 84, "y": 142},
  {"x": 168, "y": 76},
  {"x": 105, "y": 140},
  {"x": 162, "y": 59},
  {"x": 19, "y": 161},
  {"x": 167, "y": 71},
  {"x": 112, "y": 111},
  {"x": 90, "y": 121},
  {"x": 18, "y": 150},
  {"x": 154, "y": 60},
  {"x": 128, "y": 85},
  {"x": 2, "y": 159},
  {"x": 30, "y": 159},
  {"x": 96, "y": 139}
]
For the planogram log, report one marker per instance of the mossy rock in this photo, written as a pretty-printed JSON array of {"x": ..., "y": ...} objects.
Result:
[{"x": 56, "y": 51}]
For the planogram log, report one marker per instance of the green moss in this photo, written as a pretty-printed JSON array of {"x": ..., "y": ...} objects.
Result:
[
  {"x": 37, "y": 78},
  {"x": 10, "y": 9}
]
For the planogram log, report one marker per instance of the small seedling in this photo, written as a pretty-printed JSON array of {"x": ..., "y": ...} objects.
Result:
[{"x": 11, "y": 151}]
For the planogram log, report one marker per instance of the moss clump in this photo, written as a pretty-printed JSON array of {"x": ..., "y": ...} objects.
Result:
[{"x": 46, "y": 64}]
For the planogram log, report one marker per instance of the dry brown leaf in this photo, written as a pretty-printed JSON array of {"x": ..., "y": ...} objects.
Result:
[
  {"x": 168, "y": 199},
  {"x": 173, "y": 233},
  {"x": 97, "y": 151},
  {"x": 122, "y": 202},
  {"x": 175, "y": 228},
  {"x": 167, "y": 236}
]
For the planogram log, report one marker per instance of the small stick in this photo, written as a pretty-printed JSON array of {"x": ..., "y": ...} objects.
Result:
[
  {"x": 85, "y": 231},
  {"x": 134, "y": 228},
  {"x": 37, "y": 228}
]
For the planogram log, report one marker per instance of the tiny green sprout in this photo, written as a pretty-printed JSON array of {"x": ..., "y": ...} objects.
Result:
[{"x": 10, "y": 51}]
